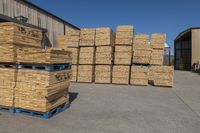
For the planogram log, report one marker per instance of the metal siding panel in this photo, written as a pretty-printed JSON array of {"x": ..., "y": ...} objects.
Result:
[{"x": 195, "y": 46}]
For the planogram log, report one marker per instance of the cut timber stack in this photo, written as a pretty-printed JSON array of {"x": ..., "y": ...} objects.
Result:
[
  {"x": 120, "y": 74},
  {"x": 85, "y": 73},
  {"x": 139, "y": 75},
  {"x": 12, "y": 33},
  {"x": 45, "y": 90},
  {"x": 71, "y": 42},
  {"x": 158, "y": 45},
  {"x": 123, "y": 54},
  {"x": 87, "y": 37},
  {"x": 141, "y": 50},
  {"x": 123, "y": 45},
  {"x": 34, "y": 79},
  {"x": 7, "y": 85},
  {"x": 86, "y": 55},
  {"x": 103, "y": 74},
  {"x": 104, "y": 42},
  {"x": 31, "y": 55},
  {"x": 162, "y": 75}
]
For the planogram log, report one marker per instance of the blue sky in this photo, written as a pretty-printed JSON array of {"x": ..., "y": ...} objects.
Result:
[{"x": 147, "y": 16}]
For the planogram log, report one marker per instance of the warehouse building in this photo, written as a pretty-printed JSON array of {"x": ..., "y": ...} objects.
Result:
[
  {"x": 187, "y": 49},
  {"x": 36, "y": 16}
]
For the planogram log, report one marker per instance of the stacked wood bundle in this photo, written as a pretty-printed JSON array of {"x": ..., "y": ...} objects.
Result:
[
  {"x": 8, "y": 53},
  {"x": 41, "y": 91},
  {"x": 87, "y": 37},
  {"x": 74, "y": 73},
  {"x": 120, "y": 74},
  {"x": 104, "y": 55},
  {"x": 141, "y": 49},
  {"x": 162, "y": 75},
  {"x": 123, "y": 55},
  {"x": 70, "y": 40},
  {"x": 85, "y": 73},
  {"x": 124, "y": 35},
  {"x": 158, "y": 45},
  {"x": 103, "y": 73},
  {"x": 104, "y": 37},
  {"x": 86, "y": 56},
  {"x": 123, "y": 45},
  {"x": 7, "y": 85},
  {"x": 43, "y": 56},
  {"x": 12, "y": 33},
  {"x": 139, "y": 75}
]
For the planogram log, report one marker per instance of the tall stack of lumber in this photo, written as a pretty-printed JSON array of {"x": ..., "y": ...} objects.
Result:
[
  {"x": 71, "y": 41},
  {"x": 162, "y": 76},
  {"x": 158, "y": 46},
  {"x": 139, "y": 75},
  {"x": 123, "y": 54},
  {"x": 104, "y": 42},
  {"x": 29, "y": 81},
  {"x": 141, "y": 49},
  {"x": 86, "y": 55}
]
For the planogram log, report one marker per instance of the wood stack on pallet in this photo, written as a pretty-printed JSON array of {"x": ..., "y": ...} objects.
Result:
[
  {"x": 71, "y": 41},
  {"x": 31, "y": 81},
  {"x": 161, "y": 76},
  {"x": 104, "y": 42},
  {"x": 86, "y": 55},
  {"x": 123, "y": 54}
]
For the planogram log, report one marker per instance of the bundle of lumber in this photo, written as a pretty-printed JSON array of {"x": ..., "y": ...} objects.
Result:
[
  {"x": 43, "y": 56},
  {"x": 71, "y": 39},
  {"x": 123, "y": 55},
  {"x": 74, "y": 73},
  {"x": 158, "y": 45},
  {"x": 8, "y": 53},
  {"x": 85, "y": 73},
  {"x": 86, "y": 55},
  {"x": 103, "y": 73},
  {"x": 124, "y": 35},
  {"x": 141, "y": 49},
  {"x": 41, "y": 91},
  {"x": 139, "y": 75},
  {"x": 120, "y": 74},
  {"x": 87, "y": 37},
  {"x": 162, "y": 75},
  {"x": 75, "y": 55},
  {"x": 104, "y": 37},
  {"x": 104, "y": 55},
  {"x": 12, "y": 33},
  {"x": 7, "y": 85}
]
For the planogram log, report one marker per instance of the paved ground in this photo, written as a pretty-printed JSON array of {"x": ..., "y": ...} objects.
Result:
[{"x": 121, "y": 109}]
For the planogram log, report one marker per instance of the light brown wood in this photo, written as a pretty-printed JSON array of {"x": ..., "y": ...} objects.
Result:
[
  {"x": 139, "y": 75},
  {"x": 85, "y": 73},
  {"x": 103, "y": 74},
  {"x": 104, "y": 55},
  {"x": 120, "y": 74}
]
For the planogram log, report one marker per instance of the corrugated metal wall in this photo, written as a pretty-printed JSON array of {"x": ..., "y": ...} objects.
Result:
[{"x": 13, "y": 8}]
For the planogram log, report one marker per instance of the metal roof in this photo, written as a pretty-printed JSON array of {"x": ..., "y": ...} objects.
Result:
[
  {"x": 39, "y": 8},
  {"x": 185, "y": 32}
]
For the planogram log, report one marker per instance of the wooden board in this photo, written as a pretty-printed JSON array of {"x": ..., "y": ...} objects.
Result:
[
  {"x": 158, "y": 41},
  {"x": 21, "y": 35},
  {"x": 85, "y": 73},
  {"x": 74, "y": 73},
  {"x": 157, "y": 57},
  {"x": 104, "y": 37},
  {"x": 120, "y": 74},
  {"x": 103, "y": 74},
  {"x": 8, "y": 53},
  {"x": 75, "y": 55}
]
